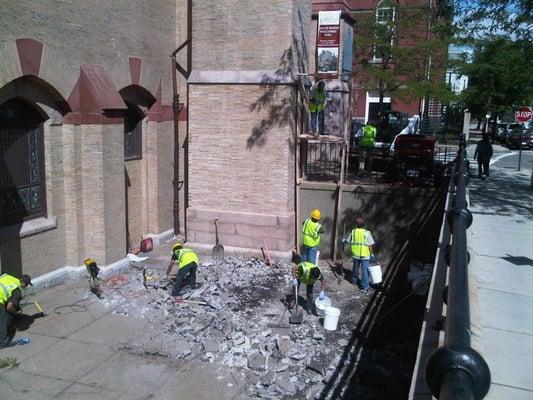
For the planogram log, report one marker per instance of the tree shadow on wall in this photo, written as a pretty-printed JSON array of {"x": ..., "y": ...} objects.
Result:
[{"x": 281, "y": 110}]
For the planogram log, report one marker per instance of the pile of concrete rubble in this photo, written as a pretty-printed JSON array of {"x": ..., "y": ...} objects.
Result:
[{"x": 237, "y": 317}]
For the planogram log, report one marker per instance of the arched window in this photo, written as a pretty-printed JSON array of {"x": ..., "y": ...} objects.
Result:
[{"x": 22, "y": 178}]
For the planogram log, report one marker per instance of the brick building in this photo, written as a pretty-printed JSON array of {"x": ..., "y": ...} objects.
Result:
[{"x": 414, "y": 28}]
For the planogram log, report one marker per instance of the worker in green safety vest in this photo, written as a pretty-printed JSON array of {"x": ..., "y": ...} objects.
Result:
[
  {"x": 367, "y": 142},
  {"x": 186, "y": 261},
  {"x": 317, "y": 100},
  {"x": 361, "y": 242},
  {"x": 10, "y": 296},
  {"x": 311, "y": 231},
  {"x": 307, "y": 273}
]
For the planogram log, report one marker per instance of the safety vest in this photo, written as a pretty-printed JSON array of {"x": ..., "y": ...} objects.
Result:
[
  {"x": 185, "y": 257},
  {"x": 359, "y": 244},
  {"x": 311, "y": 236},
  {"x": 369, "y": 136},
  {"x": 8, "y": 284},
  {"x": 305, "y": 277},
  {"x": 316, "y": 103}
]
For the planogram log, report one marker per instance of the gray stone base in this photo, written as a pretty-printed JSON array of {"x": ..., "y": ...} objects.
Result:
[{"x": 241, "y": 230}]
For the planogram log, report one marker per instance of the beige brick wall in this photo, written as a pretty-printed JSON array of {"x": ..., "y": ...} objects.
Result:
[
  {"x": 133, "y": 170},
  {"x": 240, "y": 159},
  {"x": 240, "y": 34},
  {"x": 96, "y": 32},
  {"x": 85, "y": 164}
]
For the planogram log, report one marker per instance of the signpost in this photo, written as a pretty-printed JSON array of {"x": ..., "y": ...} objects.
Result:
[{"x": 522, "y": 116}]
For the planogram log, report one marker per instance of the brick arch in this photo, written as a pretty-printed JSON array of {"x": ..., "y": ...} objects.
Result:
[
  {"x": 138, "y": 95},
  {"x": 27, "y": 57},
  {"x": 34, "y": 90}
]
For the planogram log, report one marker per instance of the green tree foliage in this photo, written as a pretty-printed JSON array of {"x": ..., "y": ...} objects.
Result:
[
  {"x": 500, "y": 76},
  {"x": 476, "y": 19},
  {"x": 402, "y": 51}
]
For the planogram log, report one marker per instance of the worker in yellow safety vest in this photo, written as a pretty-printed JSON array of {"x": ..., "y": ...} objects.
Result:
[
  {"x": 311, "y": 231},
  {"x": 307, "y": 273},
  {"x": 367, "y": 141},
  {"x": 361, "y": 241},
  {"x": 10, "y": 296},
  {"x": 186, "y": 262},
  {"x": 317, "y": 100}
]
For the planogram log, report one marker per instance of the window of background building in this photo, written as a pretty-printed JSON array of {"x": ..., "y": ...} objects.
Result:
[
  {"x": 133, "y": 132},
  {"x": 385, "y": 15},
  {"x": 22, "y": 178}
]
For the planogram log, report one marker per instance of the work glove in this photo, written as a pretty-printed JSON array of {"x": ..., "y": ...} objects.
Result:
[
  {"x": 321, "y": 295},
  {"x": 345, "y": 241},
  {"x": 372, "y": 259},
  {"x": 295, "y": 282}
]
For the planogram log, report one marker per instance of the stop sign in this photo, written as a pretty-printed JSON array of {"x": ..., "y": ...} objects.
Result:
[{"x": 523, "y": 114}]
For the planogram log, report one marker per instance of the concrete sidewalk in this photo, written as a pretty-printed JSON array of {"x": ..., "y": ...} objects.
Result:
[
  {"x": 82, "y": 353},
  {"x": 501, "y": 245}
]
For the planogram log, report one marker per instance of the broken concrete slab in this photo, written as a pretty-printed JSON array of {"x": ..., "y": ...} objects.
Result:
[{"x": 256, "y": 361}]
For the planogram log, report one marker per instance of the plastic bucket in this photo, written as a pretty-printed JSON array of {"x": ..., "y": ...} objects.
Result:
[
  {"x": 331, "y": 318},
  {"x": 321, "y": 305},
  {"x": 375, "y": 274}
]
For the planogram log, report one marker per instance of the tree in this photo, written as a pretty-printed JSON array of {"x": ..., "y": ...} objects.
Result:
[
  {"x": 500, "y": 76},
  {"x": 402, "y": 51},
  {"x": 484, "y": 18}
]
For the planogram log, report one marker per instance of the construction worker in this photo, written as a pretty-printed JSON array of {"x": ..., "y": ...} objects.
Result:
[
  {"x": 10, "y": 296},
  {"x": 311, "y": 232},
  {"x": 317, "y": 100},
  {"x": 307, "y": 273},
  {"x": 367, "y": 142},
  {"x": 361, "y": 241},
  {"x": 186, "y": 261}
]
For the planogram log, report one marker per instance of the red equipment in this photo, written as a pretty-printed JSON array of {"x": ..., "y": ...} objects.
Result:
[{"x": 413, "y": 158}]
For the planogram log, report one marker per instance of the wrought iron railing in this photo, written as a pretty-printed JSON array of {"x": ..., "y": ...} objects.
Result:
[{"x": 455, "y": 370}]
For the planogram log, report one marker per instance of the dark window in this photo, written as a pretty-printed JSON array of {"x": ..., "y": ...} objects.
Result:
[
  {"x": 22, "y": 182},
  {"x": 133, "y": 133}
]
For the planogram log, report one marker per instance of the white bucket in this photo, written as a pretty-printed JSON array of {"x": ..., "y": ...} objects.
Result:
[
  {"x": 321, "y": 305},
  {"x": 331, "y": 318},
  {"x": 375, "y": 274}
]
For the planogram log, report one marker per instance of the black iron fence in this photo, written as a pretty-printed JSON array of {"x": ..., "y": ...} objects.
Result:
[
  {"x": 455, "y": 370},
  {"x": 321, "y": 159}
]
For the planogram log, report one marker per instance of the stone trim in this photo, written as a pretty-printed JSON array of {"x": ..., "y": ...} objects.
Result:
[
  {"x": 264, "y": 77},
  {"x": 241, "y": 230},
  {"x": 29, "y": 228}
]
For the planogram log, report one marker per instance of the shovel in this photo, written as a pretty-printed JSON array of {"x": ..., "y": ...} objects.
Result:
[
  {"x": 297, "y": 315},
  {"x": 218, "y": 249}
]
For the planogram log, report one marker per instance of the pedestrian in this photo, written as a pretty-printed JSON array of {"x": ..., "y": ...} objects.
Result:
[
  {"x": 361, "y": 241},
  {"x": 307, "y": 273},
  {"x": 317, "y": 100},
  {"x": 311, "y": 232},
  {"x": 10, "y": 296},
  {"x": 186, "y": 261},
  {"x": 366, "y": 143},
  {"x": 482, "y": 154}
]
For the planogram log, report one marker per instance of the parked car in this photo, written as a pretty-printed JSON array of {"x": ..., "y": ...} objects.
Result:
[
  {"x": 510, "y": 130},
  {"x": 520, "y": 137}
]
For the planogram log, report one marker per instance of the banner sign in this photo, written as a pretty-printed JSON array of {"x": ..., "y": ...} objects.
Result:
[{"x": 328, "y": 39}]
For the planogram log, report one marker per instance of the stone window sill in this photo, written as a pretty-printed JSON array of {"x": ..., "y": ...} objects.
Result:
[{"x": 29, "y": 228}]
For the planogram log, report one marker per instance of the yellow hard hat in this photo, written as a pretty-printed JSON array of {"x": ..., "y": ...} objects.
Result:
[
  {"x": 177, "y": 246},
  {"x": 315, "y": 214},
  {"x": 89, "y": 261}
]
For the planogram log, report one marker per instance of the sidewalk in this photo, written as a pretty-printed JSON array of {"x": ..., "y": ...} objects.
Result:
[{"x": 501, "y": 246}]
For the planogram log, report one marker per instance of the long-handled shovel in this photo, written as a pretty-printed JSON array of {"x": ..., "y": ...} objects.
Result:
[
  {"x": 218, "y": 249},
  {"x": 297, "y": 315}
]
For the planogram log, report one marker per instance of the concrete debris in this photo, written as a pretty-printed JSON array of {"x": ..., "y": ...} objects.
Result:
[{"x": 247, "y": 328}]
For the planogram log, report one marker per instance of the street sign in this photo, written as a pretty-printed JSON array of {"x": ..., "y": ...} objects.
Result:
[{"x": 523, "y": 114}]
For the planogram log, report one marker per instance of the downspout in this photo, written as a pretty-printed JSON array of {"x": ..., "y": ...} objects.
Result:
[{"x": 176, "y": 182}]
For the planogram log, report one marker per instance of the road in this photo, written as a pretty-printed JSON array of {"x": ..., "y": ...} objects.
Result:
[{"x": 505, "y": 158}]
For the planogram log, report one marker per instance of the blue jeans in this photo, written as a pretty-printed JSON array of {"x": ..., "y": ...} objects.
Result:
[
  {"x": 309, "y": 254},
  {"x": 363, "y": 282},
  {"x": 317, "y": 121},
  {"x": 189, "y": 269}
]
